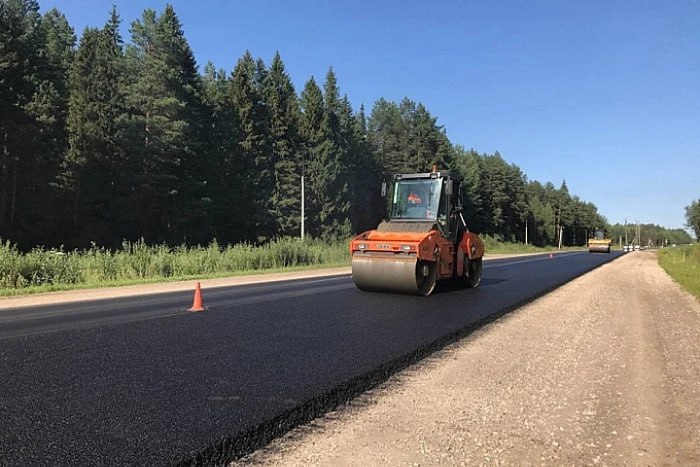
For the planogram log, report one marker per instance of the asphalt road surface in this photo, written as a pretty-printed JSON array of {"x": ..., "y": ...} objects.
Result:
[
  {"x": 602, "y": 371},
  {"x": 140, "y": 381}
]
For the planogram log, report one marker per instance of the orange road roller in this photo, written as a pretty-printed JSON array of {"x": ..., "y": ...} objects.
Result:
[{"x": 425, "y": 240}]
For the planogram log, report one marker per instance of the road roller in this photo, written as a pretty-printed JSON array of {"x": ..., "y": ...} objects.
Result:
[
  {"x": 425, "y": 240},
  {"x": 599, "y": 243}
]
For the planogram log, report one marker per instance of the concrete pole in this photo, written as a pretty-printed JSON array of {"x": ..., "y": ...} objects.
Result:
[
  {"x": 561, "y": 234},
  {"x": 302, "y": 207},
  {"x": 526, "y": 231}
]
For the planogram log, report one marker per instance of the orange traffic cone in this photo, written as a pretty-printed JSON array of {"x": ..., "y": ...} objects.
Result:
[{"x": 197, "y": 303}]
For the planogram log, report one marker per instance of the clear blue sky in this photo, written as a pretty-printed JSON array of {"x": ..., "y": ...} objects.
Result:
[{"x": 602, "y": 94}]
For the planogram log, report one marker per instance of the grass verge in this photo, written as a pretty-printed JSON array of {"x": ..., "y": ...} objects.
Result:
[
  {"x": 42, "y": 270},
  {"x": 683, "y": 264}
]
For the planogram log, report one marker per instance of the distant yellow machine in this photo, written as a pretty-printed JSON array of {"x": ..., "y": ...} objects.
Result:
[{"x": 599, "y": 243}]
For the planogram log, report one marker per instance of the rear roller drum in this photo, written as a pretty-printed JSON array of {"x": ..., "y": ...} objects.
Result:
[
  {"x": 425, "y": 277},
  {"x": 472, "y": 271}
]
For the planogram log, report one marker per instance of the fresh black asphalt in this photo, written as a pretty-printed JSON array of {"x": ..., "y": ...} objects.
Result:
[{"x": 141, "y": 381}]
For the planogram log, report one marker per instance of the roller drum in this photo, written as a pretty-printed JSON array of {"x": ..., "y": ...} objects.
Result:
[{"x": 393, "y": 273}]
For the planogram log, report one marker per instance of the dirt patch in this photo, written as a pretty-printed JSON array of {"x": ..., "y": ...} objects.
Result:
[{"x": 603, "y": 371}]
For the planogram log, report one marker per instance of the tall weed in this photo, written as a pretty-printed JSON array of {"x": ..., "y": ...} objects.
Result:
[{"x": 137, "y": 261}]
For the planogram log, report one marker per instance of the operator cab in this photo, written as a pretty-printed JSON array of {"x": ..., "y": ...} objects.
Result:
[{"x": 428, "y": 198}]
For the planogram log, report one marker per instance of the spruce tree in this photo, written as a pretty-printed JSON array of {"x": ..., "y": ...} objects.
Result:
[
  {"x": 19, "y": 56},
  {"x": 283, "y": 112},
  {"x": 541, "y": 224},
  {"x": 94, "y": 170},
  {"x": 311, "y": 130},
  {"x": 365, "y": 178},
  {"x": 254, "y": 145},
  {"x": 224, "y": 168},
  {"x": 334, "y": 153},
  {"x": 505, "y": 201},
  {"x": 38, "y": 206},
  {"x": 467, "y": 164},
  {"x": 386, "y": 137},
  {"x": 165, "y": 132}
]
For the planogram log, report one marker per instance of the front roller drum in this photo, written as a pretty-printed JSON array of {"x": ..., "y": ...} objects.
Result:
[{"x": 398, "y": 274}]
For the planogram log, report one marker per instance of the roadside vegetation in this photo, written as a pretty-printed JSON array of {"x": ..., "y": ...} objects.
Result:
[
  {"x": 42, "y": 270},
  {"x": 683, "y": 264}
]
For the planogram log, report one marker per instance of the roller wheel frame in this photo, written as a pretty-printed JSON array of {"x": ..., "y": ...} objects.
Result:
[
  {"x": 426, "y": 277},
  {"x": 472, "y": 271}
]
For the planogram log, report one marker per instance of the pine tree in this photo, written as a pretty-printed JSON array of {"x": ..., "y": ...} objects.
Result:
[
  {"x": 565, "y": 214},
  {"x": 387, "y": 137},
  {"x": 365, "y": 178},
  {"x": 35, "y": 54},
  {"x": 192, "y": 202},
  {"x": 467, "y": 164},
  {"x": 224, "y": 169},
  {"x": 325, "y": 159},
  {"x": 407, "y": 138},
  {"x": 165, "y": 132},
  {"x": 334, "y": 154},
  {"x": 505, "y": 204},
  {"x": 19, "y": 56},
  {"x": 541, "y": 222},
  {"x": 254, "y": 144},
  {"x": 37, "y": 206},
  {"x": 93, "y": 171},
  {"x": 283, "y": 111},
  {"x": 311, "y": 130}
]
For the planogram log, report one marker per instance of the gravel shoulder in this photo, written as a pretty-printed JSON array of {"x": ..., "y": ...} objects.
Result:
[{"x": 602, "y": 371}]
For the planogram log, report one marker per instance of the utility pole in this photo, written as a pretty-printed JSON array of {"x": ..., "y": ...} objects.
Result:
[
  {"x": 302, "y": 208},
  {"x": 526, "y": 231},
  {"x": 561, "y": 234},
  {"x": 639, "y": 226}
]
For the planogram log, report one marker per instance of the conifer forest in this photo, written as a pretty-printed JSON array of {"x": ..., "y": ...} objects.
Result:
[{"x": 105, "y": 139}]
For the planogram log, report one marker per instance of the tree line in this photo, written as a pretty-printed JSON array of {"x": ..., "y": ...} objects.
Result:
[
  {"x": 103, "y": 141},
  {"x": 692, "y": 217},
  {"x": 650, "y": 235}
]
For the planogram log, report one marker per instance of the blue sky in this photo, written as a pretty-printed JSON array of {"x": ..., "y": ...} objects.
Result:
[{"x": 602, "y": 94}]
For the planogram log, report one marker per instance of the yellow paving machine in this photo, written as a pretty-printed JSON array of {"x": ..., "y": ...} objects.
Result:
[{"x": 598, "y": 242}]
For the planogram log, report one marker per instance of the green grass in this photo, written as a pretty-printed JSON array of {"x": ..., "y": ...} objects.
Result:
[
  {"x": 683, "y": 264},
  {"x": 137, "y": 263}
]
